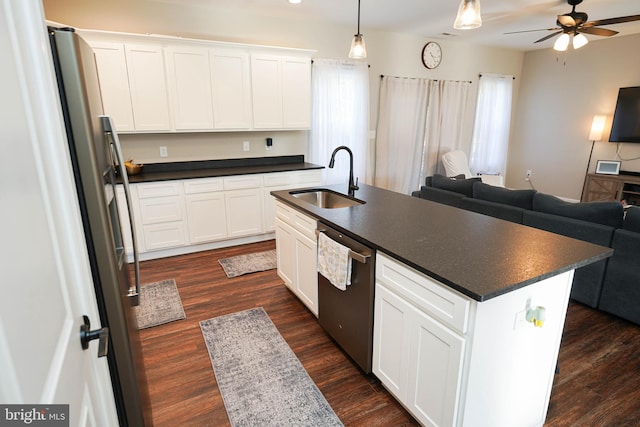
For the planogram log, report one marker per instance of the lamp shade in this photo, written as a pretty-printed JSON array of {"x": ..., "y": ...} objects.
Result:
[
  {"x": 468, "y": 15},
  {"x": 562, "y": 43},
  {"x": 358, "y": 48},
  {"x": 579, "y": 40},
  {"x": 597, "y": 127}
]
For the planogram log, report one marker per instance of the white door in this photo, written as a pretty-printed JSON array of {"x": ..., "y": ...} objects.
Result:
[{"x": 46, "y": 285}]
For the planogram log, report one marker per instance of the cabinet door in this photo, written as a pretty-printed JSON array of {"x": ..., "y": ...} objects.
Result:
[
  {"x": 231, "y": 89},
  {"x": 296, "y": 93},
  {"x": 148, "y": 84},
  {"x": 244, "y": 212},
  {"x": 435, "y": 370},
  {"x": 114, "y": 84},
  {"x": 206, "y": 217},
  {"x": 391, "y": 330},
  {"x": 306, "y": 272},
  {"x": 286, "y": 253},
  {"x": 190, "y": 87},
  {"x": 602, "y": 188},
  {"x": 266, "y": 84}
]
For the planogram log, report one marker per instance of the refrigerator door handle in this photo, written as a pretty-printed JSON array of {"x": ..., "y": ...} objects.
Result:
[{"x": 108, "y": 128}]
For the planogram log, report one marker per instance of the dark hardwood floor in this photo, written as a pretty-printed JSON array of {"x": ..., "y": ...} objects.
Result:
[{"x": 598, "y": 383}]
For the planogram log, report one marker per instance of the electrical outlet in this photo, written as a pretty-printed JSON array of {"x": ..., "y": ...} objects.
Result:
[
  {"x": 527, "y": 177},
  {"x": 246, "y": 146},
  {"x": 164, "y": 152}
]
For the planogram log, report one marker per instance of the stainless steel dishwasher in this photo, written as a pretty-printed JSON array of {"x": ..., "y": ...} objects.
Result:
[{"x": 348, "y": 315}]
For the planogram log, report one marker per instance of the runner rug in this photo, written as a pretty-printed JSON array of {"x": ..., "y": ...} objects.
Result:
[
  {"x": 159, "y": 304},
  {"x": 261, "y": 380},
  {"x": 250, "y": 263}
]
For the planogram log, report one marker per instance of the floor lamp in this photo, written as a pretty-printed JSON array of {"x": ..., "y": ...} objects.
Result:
[{"x": 597, "y": 127}]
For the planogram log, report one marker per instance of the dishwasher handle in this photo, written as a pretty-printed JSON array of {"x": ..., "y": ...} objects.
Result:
[{"x": 361, "y": 258}]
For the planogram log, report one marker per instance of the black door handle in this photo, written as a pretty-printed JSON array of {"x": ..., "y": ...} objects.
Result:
[{"x": 86, "y": 335}]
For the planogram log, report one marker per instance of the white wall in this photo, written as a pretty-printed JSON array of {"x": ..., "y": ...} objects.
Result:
[
  {"x": 388, "y": 54},
  {"x": 556, "y": 105}
]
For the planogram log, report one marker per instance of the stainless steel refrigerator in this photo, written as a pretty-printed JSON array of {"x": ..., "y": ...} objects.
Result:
[{"x": 96, "y": 157}]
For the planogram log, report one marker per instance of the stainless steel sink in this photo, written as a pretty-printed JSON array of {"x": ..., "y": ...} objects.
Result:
[{"x": 327, "y": 199}]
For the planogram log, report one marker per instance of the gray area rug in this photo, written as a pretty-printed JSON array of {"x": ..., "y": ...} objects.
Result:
[
  {"x": 251, "y": 263},
  {"x": 159, "y": 303},
  {"x": 261, "y": 380}
]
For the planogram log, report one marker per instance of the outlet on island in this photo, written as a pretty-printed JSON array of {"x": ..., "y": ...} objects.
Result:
[
  {"x": 163, "y": 151},
  {"x": 246, "y": 146}
]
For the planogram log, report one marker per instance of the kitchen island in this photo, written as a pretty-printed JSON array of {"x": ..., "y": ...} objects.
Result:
[{"x": 469, "y": 309}]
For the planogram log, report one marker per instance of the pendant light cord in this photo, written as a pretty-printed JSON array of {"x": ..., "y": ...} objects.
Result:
[{"x": 358, "y": 18}]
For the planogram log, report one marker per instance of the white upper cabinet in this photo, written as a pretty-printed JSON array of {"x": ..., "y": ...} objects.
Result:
[
  {"x": 114, "y": 83},
  {"x": 281, "y": 89},
  {"x": 165, "y": 84},
  {"x": 266, "y": 85},
  {"x": 148, "y": 84},
  {"x": 189, "y": 80},
  {"x": 231, "y": 88},
  {"x": 296, "y": 93}
]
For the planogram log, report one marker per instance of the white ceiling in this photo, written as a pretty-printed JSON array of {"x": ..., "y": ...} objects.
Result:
[{"x": 433, "y": 18}]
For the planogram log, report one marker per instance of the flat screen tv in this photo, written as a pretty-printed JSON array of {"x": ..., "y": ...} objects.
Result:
[{"x": 626, "y": 119}]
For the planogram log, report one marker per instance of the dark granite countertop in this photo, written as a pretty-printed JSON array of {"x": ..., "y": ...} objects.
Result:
[
  {"x": 477, "y": 255},
  {"x": 214, "y": 168}
]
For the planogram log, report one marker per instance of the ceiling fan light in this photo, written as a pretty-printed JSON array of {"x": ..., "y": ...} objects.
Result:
[
  {"x": 562, "y": 43},
  {"x": 468, "y": 15},
  {"x": 579, "y": 40},
  {"x": 358, "y": 48}
]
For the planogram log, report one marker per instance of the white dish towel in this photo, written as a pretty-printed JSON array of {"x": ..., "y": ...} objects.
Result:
[{"x": 334, "y": 262}]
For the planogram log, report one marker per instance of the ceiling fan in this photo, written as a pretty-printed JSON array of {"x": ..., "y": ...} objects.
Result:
[{"x": 574, "y": 23}]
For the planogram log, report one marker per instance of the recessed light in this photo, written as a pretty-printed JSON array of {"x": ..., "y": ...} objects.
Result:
[{"x": 295, "y": 1}]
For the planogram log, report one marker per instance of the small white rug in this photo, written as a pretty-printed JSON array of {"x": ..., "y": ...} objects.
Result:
[
  {"x": 159, "y": 304},
  {"x": 251, "y": 263}
]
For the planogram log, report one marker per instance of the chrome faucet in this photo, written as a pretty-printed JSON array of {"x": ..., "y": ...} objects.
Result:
[{"x": 352, "y": 186}]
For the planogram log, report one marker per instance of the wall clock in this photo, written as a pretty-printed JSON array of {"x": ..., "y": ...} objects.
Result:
[{"x": 431, "y": 55}]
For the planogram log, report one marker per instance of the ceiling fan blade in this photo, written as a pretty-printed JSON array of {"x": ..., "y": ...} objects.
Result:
[
  {"x": 611, "y": 21},
  {"x": 598, "y": 31},
  {"x": 566, "y": 21},
  {"x": 548, "y": 37},
  {"x": 531, "y": 31}
]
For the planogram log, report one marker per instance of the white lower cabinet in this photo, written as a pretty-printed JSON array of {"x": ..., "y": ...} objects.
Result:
[
  {"x": 176, "y": 216},
  {"x": 207, "y": 217},
  {"x": 296, "y": 248},
  {"x": 454, "y": 361},
  {"x": 417, "y": 358}
]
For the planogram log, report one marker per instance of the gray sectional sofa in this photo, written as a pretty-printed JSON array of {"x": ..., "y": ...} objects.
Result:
[{"x": 611, "y": 285}]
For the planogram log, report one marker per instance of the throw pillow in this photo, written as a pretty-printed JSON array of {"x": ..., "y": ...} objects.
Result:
[
  {"x": 605, "y": 213},
  {"x": 462, "y": 186},
  {"x": 518, "y": 198},
  {"x": 632, "y": 219}
]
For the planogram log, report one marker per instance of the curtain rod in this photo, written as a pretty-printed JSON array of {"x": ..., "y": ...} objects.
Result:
[
  {"x": 480, "y": 75},
  {"x": 420, "y": 78},
  {"x": 368, "y": 65}
]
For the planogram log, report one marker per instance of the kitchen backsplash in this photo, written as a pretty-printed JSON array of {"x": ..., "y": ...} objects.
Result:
[{"x": 146, "y": 148}]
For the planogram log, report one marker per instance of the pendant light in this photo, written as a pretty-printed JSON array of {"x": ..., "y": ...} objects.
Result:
[
  {"x": 468, "y": 15},
  {"x": 358, "y": 49}
]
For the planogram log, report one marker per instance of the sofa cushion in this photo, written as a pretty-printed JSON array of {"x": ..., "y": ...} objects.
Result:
[
  {"x": 445, "y": 197},
  {"x": 462, "y": 186},
  {"x": 605, "y": 213},
  {"x": 518, "y": 198},
  {"x": 496, "y": 210},
  {"x": 632, "y": 219}
]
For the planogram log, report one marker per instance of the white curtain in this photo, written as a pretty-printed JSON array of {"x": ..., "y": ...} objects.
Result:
[
  {"x": 419, "y": 120},
  {"x": 400, "y": 133},
  {"x": 445, "y": 121},
  {"x": 491, "y": 129},
  {"x": 340, "y": 116}
]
